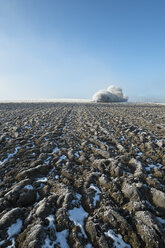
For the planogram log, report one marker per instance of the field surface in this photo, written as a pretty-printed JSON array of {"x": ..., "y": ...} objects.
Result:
[{"x": 82, "y": 175}]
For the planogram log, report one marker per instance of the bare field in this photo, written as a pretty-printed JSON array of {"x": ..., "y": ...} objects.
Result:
[{"x": 82, "y": 175}]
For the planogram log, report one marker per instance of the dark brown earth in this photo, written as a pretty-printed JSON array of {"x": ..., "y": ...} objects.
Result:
[{"x": 82, "y": 175}]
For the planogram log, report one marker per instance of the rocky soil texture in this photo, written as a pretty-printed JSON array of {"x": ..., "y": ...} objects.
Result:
[{"x": 82, "y": 175}]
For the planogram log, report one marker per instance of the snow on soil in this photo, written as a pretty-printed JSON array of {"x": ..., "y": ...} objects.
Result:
[
  {"x": 55, "y": 149},
  {"x": 88, "y": 246},
  {"x": 151, "y": 166},
  {"x": 10, "y": 155},
  {"x": 97, "y": 194},
  {"x": 12, "y": 244},
  {"x": 78, "y": 196},
  {"x": 61, "y": 237},
  {"x": 78, "y": 199},
  {"x": 42, "y": 179},
  {"x": 162, "y": 221},
  {"x": 77, "y": 215},
  {"x": 47, "y": 160},
  {"x": 117, "y": 238},
  {"x": 51, "y": 220},
  {"x": 63, "y": 157},
  {"x": 15, "y": 228},
  {"x": 48, "y": 243},
  {"x": 77, "y": 154},
  {"x": 2, "y": 242},
  {"x": 28, "y": 187}
]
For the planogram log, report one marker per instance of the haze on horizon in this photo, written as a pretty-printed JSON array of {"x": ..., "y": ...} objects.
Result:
[{"x": 72, "y": 49}]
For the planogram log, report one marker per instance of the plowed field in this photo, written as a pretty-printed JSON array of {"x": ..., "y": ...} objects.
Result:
[{"x": 82, "y": 175}]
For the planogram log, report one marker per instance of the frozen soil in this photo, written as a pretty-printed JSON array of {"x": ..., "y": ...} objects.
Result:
[{"x": 82, "y": 175}]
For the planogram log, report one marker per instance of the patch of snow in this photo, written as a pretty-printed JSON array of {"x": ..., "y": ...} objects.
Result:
[
  {"x": 28, "y": 147},
  {"x": 2, "y": 242},
  {"x": 139, "y": 152},
  {"x": 127, "y": 173},
  {"x": 51, "y": 220},
  {"x": 98, "y": 172},
  {"x": 88, "y": 246},
  {"x": 41, "y": 186},
  {"x": 97, "y": 194},
  {"x": 14, "y": 228},
  {"x": 28, "y": 187},
  {"x": 162, "y": 221},
  {"x": 48, "y": 243},
  {"x": 52, "y": 170},
  {"x": 55, "y": 149},
  {"x": 31, "y": 145},
  {"x": 78, "y": 196},
  {"x": 38, "y": 196},
  {"x": 63, "y": 157},
  {"x": 62, "y": 238},
  {"x": 117, "y": 238},
  {"x": 151, "y": 166},
  {"x": 122, "y": 138},
  {"x": 28, "y": 126},
  {"x": 76, "y": 154},
  {"x": 10, "y": 155},
  {"x": 47, "y": 160},
  {"x": 78, "y": 199},
  {"x": 42, "y": 179},
  {"x": 12, "y": 244},
  {"x": 149, "y": 204},
  {"x": 77, "y": 215},
  {"x": 159, "y": 166}
]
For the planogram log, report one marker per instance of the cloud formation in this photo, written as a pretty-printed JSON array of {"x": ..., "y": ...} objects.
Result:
[{"x": 112, "y": 94}]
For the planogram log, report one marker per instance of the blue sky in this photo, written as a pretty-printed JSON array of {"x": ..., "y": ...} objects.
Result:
[{"x": 73, "y": 48}]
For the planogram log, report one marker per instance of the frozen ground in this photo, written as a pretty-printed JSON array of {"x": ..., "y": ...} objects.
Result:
[{"x": 82, "y": 175}]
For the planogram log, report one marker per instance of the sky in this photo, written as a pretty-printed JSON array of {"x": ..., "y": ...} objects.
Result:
[{"x": 73, "y": 48}]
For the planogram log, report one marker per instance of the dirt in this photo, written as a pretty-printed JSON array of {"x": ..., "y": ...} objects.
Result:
[{"x": 82, "y": 175}]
